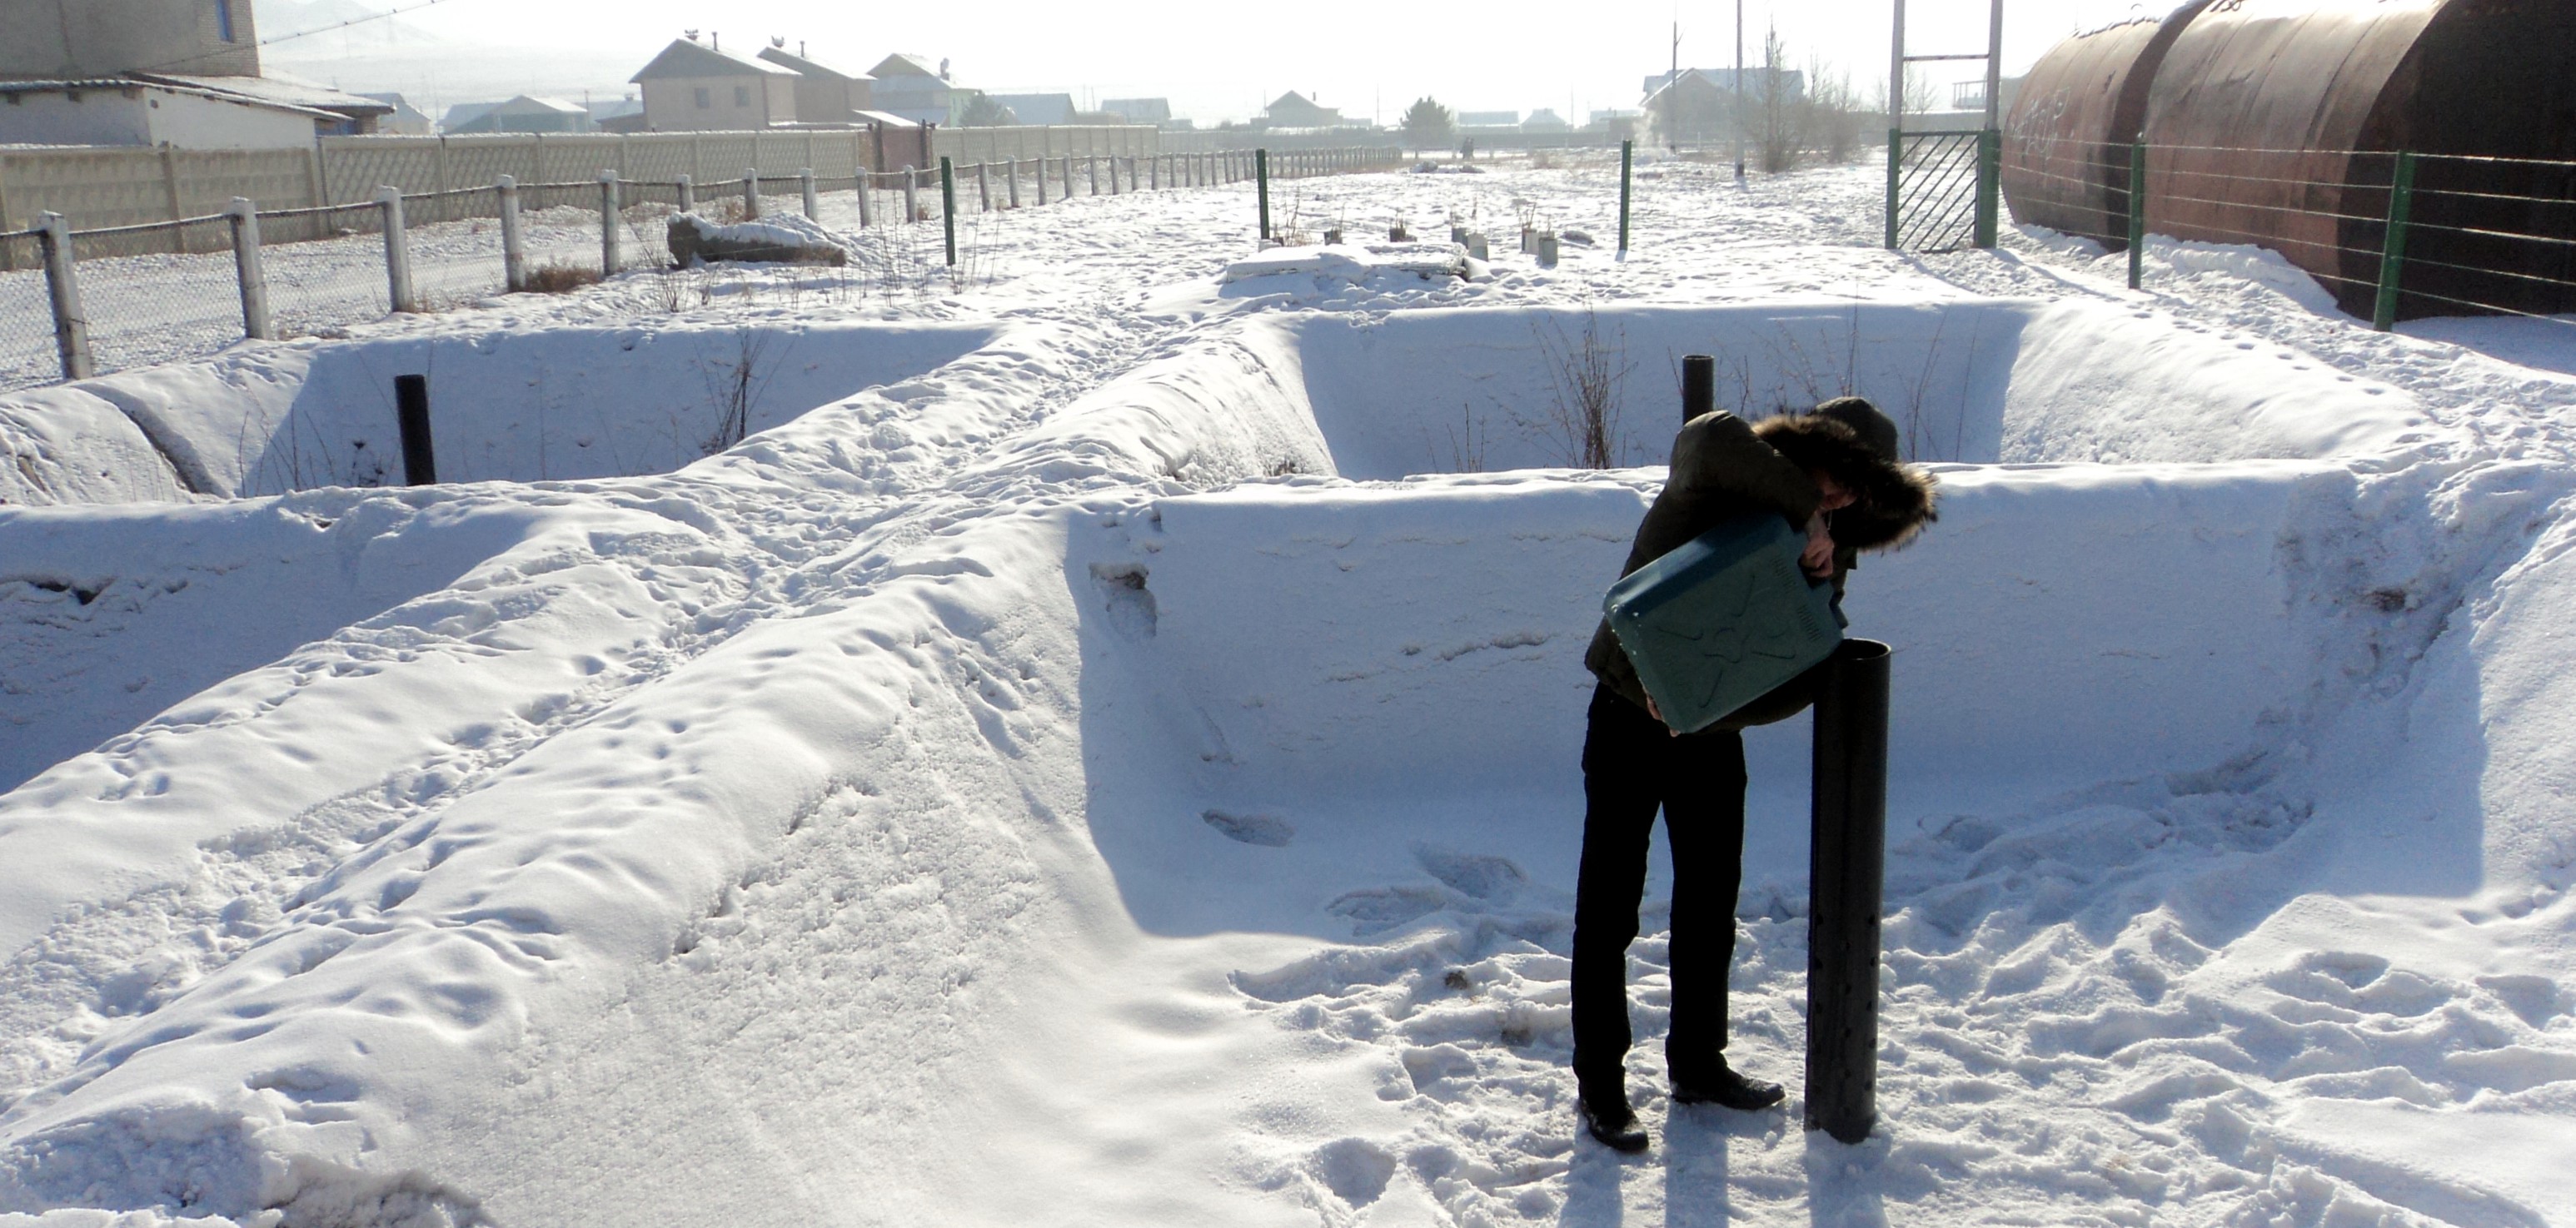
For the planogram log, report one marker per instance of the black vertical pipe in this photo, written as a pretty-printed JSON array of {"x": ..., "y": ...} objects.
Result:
[
  {"x": 1699, "y": 385},
  {"x": 1847, "y": 878},
  {"x": 411, "y": 409}
]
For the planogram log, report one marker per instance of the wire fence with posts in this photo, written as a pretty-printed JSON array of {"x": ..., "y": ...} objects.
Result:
[
  {"x": 2392, "y": 234},
  {"x": 87, "y": 302}
]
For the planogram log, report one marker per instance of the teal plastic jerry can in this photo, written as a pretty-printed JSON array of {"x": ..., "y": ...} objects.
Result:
[{"x": 1722, "y": 620}]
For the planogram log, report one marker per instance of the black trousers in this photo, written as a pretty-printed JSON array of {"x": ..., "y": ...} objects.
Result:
[{"x": 1632, "y": 766}]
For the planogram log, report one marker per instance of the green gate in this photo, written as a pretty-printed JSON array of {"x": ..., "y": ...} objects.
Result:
[{"x": 1943, "y": 190}]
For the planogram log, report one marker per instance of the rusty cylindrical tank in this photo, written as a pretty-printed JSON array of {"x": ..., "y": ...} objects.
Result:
[
  {"x": 2276, "y": 122},
  {"x": 2066, "y": 152}
]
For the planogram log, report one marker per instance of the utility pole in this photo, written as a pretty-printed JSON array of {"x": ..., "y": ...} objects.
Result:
[
  {"x": 1673, "y": 96},
  {"x": 1739, "y": 91}
]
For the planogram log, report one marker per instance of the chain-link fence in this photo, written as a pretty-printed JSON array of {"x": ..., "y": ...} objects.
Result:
[{"x": 126, "y": 296}]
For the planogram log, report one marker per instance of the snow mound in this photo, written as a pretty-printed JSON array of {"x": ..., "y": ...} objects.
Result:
[{"x": 1354, "y": 262}]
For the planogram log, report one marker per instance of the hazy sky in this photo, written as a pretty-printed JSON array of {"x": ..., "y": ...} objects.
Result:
[{"x": 1217, "y": 61}]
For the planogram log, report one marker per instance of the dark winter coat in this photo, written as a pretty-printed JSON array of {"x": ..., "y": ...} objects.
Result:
[{"x": 1724, "y": 468}]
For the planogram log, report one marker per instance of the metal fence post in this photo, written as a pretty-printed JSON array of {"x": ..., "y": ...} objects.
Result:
[
  {"x": 71, "y": 324},
  {"x": 514, "y": 236},
  {"x": 1846, "y": 884},
  {"x": 1895, "y": 178},
  {"x": 1699, "y": 386},
  {"x": 1990, "y": 180},
  {"x": 411, "y": 420},
  {"x": 751, "y": 193},
  {"x": 248, "y": 270},
  {"x": 2137, "y": 214},
  {"x": 911, "y": 194},
  {"x": 948, "y": 206},
  {"x": 805, "y": 186},
  {"x": 1261, "y": 170},
  {"x": 389, "y": 201},
  {"x": 688, "y": 194},
  {"x": 609, "y": 224},
  {"x": 2392, "y": 256},
  {"x": 1627, "y": 163}
]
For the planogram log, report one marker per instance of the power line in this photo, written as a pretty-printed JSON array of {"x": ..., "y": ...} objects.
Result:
[{"x": 354, "y": 21}]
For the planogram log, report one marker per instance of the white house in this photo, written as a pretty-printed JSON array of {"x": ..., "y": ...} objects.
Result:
[
  {"x": 908, "y": 86},
  {"x": 125, "y": 111}
]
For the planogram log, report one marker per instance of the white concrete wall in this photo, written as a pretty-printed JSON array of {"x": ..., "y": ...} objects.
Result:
[
  {"x": 190, "y": 121},
  {"x": 86, "y": 117}
]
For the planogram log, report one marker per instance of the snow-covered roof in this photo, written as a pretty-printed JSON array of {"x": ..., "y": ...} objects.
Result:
[
  {"x": 805, "y": 66},
  {"x": 8, "y": 88},
  {"x": 277, "y": 89},
  {"x": 904, "y": 64},
  {"x": 687, "y": 59}
]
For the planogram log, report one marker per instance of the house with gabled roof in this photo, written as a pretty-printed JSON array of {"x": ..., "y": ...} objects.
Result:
[
  {"x": 908, "y": 86},
  {"x": 200, "y": 56},
  {"x": 701, "y": 87},
  {"x": 824, "y": 95},
  {"x": 524, "y": 113},
  {"x": 1295, "y": 110}
]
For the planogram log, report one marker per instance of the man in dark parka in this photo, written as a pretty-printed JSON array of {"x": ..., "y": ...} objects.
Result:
[{"x": 1834, "y": 474}]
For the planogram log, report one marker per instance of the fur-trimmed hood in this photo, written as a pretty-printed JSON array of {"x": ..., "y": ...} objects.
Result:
[{"x": 1892, "y": 501}]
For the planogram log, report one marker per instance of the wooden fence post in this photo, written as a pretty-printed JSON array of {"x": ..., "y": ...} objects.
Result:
[
  {"x": 610, "y": 224},
  {"x": 249, "y": 271},
  {"x": 805, "y": 184},
  {"x": 71, "y": 324},
  {"x": 389, "y": 202},
  {"x": 514, "y": 238}
]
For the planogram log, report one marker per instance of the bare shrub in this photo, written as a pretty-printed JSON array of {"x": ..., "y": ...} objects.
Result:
[
  {"x": 557, "y": 277},
  {"x": 1586, "y": 375},
  {"x": 734, "y": 387}
]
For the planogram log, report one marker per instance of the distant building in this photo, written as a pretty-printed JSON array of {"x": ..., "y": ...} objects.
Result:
[
  {"x": 824, "y": 95},
  {"x": 406, "y": 120},
  {"x": 1691, "y": 108},
  {"x": 1157, "y": 111},
  {"x": 1489, "y": 119},
  {"x": 626, "y": 115},
  {"x": 521, "y": 114},
  {"x": 1545, "y": 120},
  {"x": 908, "y": 86},
  {"x": 1037, "y": 108},
  {"x": 194, "y": 49},
  {"x": 700, "y": 87},
  {"x": 125, "y": 111},
  {"x": 1295, "y": 110},
  {"x": 1971, "y": 95},
  {"x": 1792, "y": 81}
]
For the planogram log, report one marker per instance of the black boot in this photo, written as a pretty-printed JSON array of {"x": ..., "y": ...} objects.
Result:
[
  {"x": 1730, "y": 1090},
  {"x": 1612, "y": 1123}
]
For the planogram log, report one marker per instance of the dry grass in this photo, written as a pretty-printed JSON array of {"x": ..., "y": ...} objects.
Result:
[{"x": 555, "y": 277}]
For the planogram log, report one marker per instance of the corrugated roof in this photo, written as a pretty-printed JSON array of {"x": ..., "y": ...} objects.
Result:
[
  {"x": 129, "y": 83},
  {"x": 276, "y": 89}
]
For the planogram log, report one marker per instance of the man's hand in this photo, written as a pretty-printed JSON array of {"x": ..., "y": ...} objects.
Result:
[
  {"x": 1658, "y": 714},
  {"x": 1818, "y": 557}
]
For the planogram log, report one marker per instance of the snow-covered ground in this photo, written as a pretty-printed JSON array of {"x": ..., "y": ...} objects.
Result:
[{"x": 1112, "y": 761}]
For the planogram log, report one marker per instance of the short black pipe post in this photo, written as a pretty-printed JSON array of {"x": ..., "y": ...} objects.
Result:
[
  {"x": 1847, "y": 878},
  {"x": 411, "y": 409},
  {"x": 948, "y": 205},
  {"x": 1699, "y": 385}
]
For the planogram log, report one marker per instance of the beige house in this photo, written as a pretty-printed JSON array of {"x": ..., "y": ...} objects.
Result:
[
  {"x": 76, "y": 39},
  {"x": 824, "y": 95},
  {"x": 700, "y": 87}
]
